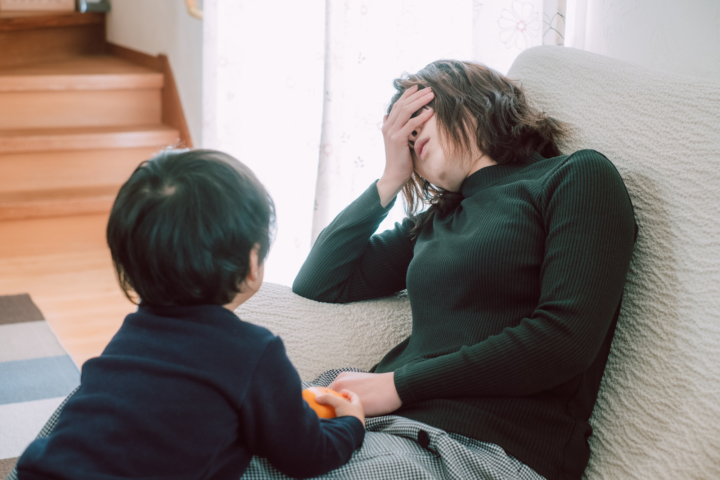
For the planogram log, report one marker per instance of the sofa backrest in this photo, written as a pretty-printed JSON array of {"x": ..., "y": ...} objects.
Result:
[{"x": 658, "y": 411}]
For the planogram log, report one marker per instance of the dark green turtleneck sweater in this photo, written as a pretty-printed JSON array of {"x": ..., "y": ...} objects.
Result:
[{"x": 515, "y": 296}]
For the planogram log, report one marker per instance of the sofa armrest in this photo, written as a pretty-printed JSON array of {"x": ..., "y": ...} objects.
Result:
[{"x": 320, "y": 336}]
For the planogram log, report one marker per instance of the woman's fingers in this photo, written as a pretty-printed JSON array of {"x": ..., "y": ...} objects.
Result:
[
  {"x": 405, "y": 107},
  {"x": 403, "y": 98},
  {"x": 401, "y": 133},
  {"x": 413, "y": 123},
  {"x": 403, "y": 111},
  {"x": 396, "y": 131}
]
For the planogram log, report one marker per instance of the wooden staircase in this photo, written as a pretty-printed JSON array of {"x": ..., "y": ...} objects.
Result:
[{"x": 77, "y": 115}]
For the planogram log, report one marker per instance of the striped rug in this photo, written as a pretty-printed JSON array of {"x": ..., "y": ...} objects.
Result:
[{"x": 36, "y": 374}]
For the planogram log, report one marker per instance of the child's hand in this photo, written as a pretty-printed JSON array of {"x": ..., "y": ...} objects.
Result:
[{"x": 348, "y": 406}]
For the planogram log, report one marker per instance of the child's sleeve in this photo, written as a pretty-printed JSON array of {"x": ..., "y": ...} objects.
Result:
[{"x": 278, "y": 424}]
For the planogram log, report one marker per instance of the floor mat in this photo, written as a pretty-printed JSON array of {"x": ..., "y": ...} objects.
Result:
[{"x": 37, "y": 374}]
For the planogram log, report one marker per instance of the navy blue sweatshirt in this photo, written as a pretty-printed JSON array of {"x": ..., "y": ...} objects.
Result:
[{"x": 189, "y": 392}]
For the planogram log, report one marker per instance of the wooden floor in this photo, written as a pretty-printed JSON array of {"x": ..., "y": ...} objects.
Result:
[
  {"x": 77, "y": 116},
  {"x": 65, "y": 266}
]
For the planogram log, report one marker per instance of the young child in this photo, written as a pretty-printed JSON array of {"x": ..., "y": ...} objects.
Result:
[{"x": 186, "y": 390}]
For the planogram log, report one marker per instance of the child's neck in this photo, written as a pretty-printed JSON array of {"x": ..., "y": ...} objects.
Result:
[{"x": 240, "y": 298}]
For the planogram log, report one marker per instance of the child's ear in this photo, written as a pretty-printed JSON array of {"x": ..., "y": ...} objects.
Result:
[
  {"x": 254, "y": 271},
  {"x": 252, "y": 282}
]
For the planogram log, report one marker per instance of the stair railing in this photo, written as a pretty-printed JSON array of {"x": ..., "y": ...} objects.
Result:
[{"x": 193, "y": 9}]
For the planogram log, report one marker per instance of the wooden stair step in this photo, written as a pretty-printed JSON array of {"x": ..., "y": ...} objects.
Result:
[
  {"x": 31, "y": 37},
  {"x": 92, "y": 108},
  {"x": 31, "y": 20},
  {"x": 69, "y": 169},
  {"x": 55, "y": 203},
  {"x": 84, "y": 91},
  {"x": 89, "y": 72},
  {"x": 87, "y": 138}
]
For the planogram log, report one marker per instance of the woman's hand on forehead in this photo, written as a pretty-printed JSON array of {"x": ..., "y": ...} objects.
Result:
[{"x": 399, "y": 128}]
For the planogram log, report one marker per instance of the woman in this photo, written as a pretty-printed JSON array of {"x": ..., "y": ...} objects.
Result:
[{"x": 515, "y": 272}]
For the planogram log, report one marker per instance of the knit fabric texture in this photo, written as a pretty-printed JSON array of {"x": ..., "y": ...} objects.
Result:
[
  {"x": 657, "y": 414},
  {"x": 514, "y": 294}
]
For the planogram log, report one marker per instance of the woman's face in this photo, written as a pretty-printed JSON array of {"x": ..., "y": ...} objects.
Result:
[{"x": 432, "y": 163}]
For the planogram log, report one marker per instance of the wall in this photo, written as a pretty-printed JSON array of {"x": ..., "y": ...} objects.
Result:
[
  {"x": 164, "y": 26},
  {"x": 675, "y": 36},
  {"x": 263, "y": 100}
]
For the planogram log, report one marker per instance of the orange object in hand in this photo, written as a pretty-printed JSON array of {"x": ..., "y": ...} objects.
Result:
[{"x": 323, "y": 411}]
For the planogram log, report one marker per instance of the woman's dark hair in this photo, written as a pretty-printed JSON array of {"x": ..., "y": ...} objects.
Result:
[
  {"x": 474, "y": 104},
  {"x": 182, "y": 228}
]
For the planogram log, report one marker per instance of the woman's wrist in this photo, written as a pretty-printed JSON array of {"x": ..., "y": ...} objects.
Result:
[{"x": 388, "y": 189}]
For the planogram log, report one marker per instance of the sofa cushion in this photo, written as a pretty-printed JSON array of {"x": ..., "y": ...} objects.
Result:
[
  {"x": 658, "y": 411},
  {"x": 321, "y": 336}
]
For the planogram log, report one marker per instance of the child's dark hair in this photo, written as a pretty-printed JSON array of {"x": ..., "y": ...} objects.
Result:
[{"x": 182, "y": 228}]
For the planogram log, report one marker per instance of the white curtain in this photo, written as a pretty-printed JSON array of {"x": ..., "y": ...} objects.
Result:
[
  {"x": 503, "y": 29},
  {"x": 297, "y": 90},
  {"x": 368, "y": 44},
  {"x": 576, "y": 16}
]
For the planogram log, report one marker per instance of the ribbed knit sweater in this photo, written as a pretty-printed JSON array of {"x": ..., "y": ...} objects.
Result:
[{"x": 515, "y": 296}]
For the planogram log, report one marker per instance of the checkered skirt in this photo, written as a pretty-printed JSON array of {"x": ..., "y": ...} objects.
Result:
[{"x": 397, "y": 448}]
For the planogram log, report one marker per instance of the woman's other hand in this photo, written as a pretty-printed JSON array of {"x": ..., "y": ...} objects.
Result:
[
  {"x": 397, "y": 129},
  {"x": 376, "y": 391}
]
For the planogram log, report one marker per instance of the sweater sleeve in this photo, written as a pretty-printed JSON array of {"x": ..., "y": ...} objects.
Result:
[
  {"x": 279, "y": 425},
  {"x": 590, "y": 237},
  {"x": 348, "y": 263}
]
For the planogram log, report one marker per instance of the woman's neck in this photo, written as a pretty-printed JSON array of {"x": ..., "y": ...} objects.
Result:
[{"x": 482, "y": 162}]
